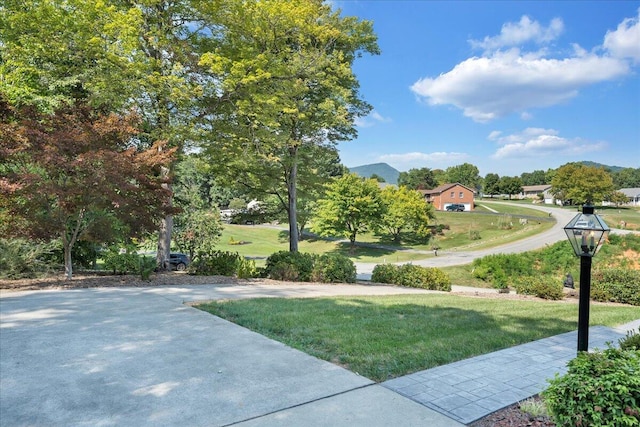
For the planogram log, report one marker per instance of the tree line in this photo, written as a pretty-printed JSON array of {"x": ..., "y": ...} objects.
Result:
[{"x": 261, "y": 89}]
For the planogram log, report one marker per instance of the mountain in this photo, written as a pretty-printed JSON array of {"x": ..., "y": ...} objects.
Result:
[
  {"x": 600, "y": 165},
  {"x": 388, "y": 173}
]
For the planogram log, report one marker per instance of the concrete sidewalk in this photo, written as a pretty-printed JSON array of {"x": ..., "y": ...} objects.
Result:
[{"x": 141, "y": 357}]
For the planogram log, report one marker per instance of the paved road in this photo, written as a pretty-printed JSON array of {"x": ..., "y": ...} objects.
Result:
[{"x": 449, "y": 258}]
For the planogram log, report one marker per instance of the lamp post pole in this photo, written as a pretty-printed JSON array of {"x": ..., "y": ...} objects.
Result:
[
  {"x": 586, "y": 233},
  {"x": 583, "y": 309}
]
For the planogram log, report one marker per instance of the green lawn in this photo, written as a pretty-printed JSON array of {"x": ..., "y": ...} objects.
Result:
[
  {"x": 464, "y": 229},
  {"x": 386, "y": 337}
]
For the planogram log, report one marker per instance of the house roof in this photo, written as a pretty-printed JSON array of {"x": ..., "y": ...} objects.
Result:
[
  {"x": 530, "y": 188},
  {"x": 444, "y": 187},
  {"x": 630, "y": 192}
]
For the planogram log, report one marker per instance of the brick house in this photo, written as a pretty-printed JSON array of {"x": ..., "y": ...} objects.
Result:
[{"x": 447, "y": 194}]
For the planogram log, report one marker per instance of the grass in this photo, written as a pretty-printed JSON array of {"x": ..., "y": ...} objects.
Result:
[
  {"x": 493, "y": 230},
  {"x": 385, "y": 337}
]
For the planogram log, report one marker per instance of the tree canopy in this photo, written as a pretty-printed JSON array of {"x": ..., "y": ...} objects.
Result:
[
  {"x": 581, "y": 184},
  {"x": 75, "y": 176},
  {"x": 418, "y": 179},
  {"x": 352, "y": 205}
]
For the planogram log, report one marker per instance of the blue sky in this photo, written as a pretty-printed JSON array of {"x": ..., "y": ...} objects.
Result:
[{"x": 509, "y": 86}]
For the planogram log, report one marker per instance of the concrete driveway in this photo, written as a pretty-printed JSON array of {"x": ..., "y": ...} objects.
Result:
[{"x": 140, "y": 357}]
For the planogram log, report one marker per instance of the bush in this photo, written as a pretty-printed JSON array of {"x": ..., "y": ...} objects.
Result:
[
  {"x": 334, "y": 268},
  {"x": 246, "y": 268},
  {"x": 385, "y": 273},
  {"x": 24, "y": 259},
  {"x": 412, "y": 276},
  {"x": 220, "y": 263},
  {"x": 616, "y": 285},
  {"x": 546, "y": 287},
  {"x": 121, "y": 261},
  {"x": 292, "y": 266},
  {"x": 503, "y": 266},
  {"x": 631, "y": 341},
  {"x": 599, "y": 389}
]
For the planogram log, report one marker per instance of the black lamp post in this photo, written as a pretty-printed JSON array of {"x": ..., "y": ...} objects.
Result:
[{"x": 586, "y": 232}]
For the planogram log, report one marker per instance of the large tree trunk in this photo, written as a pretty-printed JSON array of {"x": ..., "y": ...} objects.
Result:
[
  {"x": 293, "y": 208},
  {"x": 166, "y": 229},
  {"x": 68, "y": 262}
]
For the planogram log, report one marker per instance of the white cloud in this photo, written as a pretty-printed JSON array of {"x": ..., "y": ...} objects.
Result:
[
  {"x": 624, "y": 42},
  {"x": 504, "y": 82},
  {"x": 538, "y": 142},
  {"x": 435, "y": 160},
  {"x": 371, "y": 120},
  {"x": 516, "y": 34}
]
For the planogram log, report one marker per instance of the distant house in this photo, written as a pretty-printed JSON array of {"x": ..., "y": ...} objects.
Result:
[
  {"x": 448, "y": 194},
  {"x": 633, "y": 194},
  {"x": 534, "y": 192}
]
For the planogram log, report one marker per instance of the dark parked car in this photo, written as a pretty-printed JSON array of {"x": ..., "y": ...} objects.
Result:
[
  {"x": 455, "y": 208},
  {"x": 179, "y": 261}
]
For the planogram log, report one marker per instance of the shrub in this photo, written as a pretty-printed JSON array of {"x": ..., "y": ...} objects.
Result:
[
  {"x": 599, "y": 389},
  {"x": 121, "y": 261},
  {"x": 631, "y": 341},
  {"x": 412, "y": 276},
  {"x": 510, "y": 265},
  {"x": 147, "y": 266},
  {"x": 222, "y": 263},
  {"x": 334, "y": 268},
  {"x": 547, "y": 287},
  {"x": 385, "y": 273},
  {"x": 285, "y": 265},
  {"x": 246, "y": 268},
  {"x": 616, "y": 285},
  {"x": 24, "y": 259}
]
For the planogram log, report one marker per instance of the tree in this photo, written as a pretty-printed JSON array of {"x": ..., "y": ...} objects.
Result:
[
  {"x": 117, "y": 56},
  {"x": 289, "y": 65},
  {"x": 492, "y": 184},
  {"x": 377, "y": 177},
  {"x": 618, "y": 198},
  {"x": 404, "y": 209},
  {"x": 74, "y": 175},
  {"x": 198, "y": 232},
  {"x": 418, "y": 179},
  {"x": 465, "y": 174},
  {"x": 352, "y": 205},
  {"x": 581, "y": 184},
  {"x": 537, "y": 177},
  {"x": 510, "y": 185},
  {"x": 627, "y": 178}
]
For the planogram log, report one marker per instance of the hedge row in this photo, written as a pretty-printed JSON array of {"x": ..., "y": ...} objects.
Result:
[{"x": 412, "y": 276}]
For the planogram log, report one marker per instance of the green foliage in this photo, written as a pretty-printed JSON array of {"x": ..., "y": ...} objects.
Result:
[
  {"x": 352, "y": 205},
  {"x": 404, "y": 209},
  {"x": 547, "y": 287},
  {"x": 599, "y": 389},
  {"x": 580, "y": 183},
  {"x": 121, "y": 260},
  {"x": 418, "y": 179},
  {"x": 510, "y": 264},
  {"x": 385, "y": 273},
  {"x": 198, "y": 232},
  {"x": 24, "y": 259},
  {"x": 631, "y": 341},
  {"x": 616, "y": 285},
  {"x": 216, "y": 263},
  {"x": 474, "y": 235},
  {"x": 412, "y": 276},
  {"x": 334, "y": 268},
  {"x": 499, "y": 279},
  {"x": 290, "y": 266},
  {"x": 246, "y": 268},
  {"x": 146, "y": 267}
]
